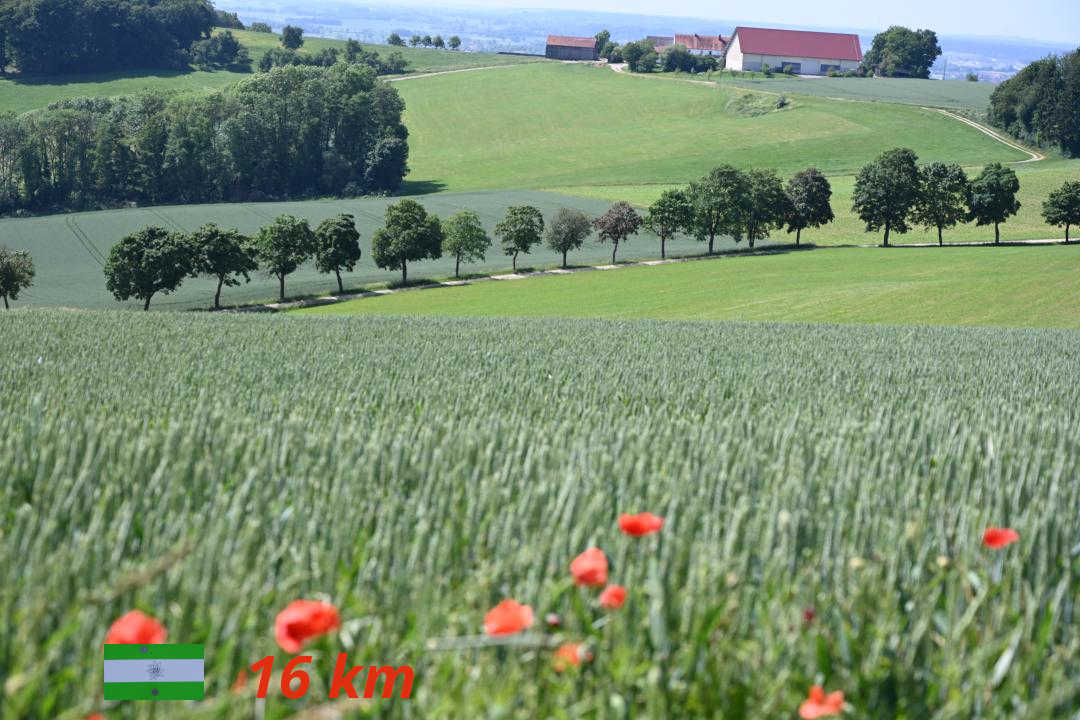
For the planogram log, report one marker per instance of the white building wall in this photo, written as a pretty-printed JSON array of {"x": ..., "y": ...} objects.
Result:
[{"x": 737, "y": 60}]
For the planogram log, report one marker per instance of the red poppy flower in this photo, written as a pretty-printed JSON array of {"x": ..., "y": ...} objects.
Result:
[
  {"x": 613, "y": 597},
  {"x": 95, "y": 716},
  {"x": 819, "y": 705},
  {"x": 999, "y": 537},
  {"x": 507, "y": 618},
  {"x": 135, "y": 628},
  {"x": 590, "y": 568},
  {"x": 569, "y": 655},
  {"x": 808, "y": 615},
  {"x": 240, "y": 683},
  {"x": 302, "y": 620},
  {"x": 641, "y": 524}
]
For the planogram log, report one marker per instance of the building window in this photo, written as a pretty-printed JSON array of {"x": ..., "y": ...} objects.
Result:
[
  {"x": 826, "y": 69},
  {"x": 791, "y": 67}
]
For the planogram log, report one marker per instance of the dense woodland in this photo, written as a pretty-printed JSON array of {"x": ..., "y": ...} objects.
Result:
[
  {"x": 73, "y": 36},
  {"x": 290, "y": 133},
  {"x": 1041, "y": 104}
]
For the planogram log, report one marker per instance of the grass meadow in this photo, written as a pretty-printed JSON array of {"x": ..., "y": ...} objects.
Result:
[
  {"x": 566, "y": 125},
  {"x": 825, "y": 491},
  {"x": 953, "y": 94},
  {"x": 1008, "y": 286},
  {"x": 22, "y": 94}
]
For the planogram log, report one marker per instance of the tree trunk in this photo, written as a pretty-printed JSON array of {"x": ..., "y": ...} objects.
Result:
[
  {"x": 340, "y": 287},
  {"x": 564, "y": 257},
  {"x": 997, "y": 235},
  {"x": 711, "y": 243},
  {"x": 886, "y": 234},
  {"x": 663, "y": 244},
  {"x": 6, "y": 306},
  {"x": 146, "y": 305},
  {"x": 798, "y": 236},
  {"x": 404, "y": 273},
  {"x": 457, "y": 266},
  {"x": 614, "y": 249},
  {"x": 940, "y": 242},
  {"x": 217, "y": 294},
  {"x": 1066, "y": 233},
  {"x": 513, "y": 262},
  {"x": 281, "y": 287}
]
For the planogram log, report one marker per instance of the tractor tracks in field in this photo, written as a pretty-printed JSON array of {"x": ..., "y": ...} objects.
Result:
[{"x": 1033, "y": 156}]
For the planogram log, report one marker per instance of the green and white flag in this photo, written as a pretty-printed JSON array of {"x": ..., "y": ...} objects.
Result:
[{"x": 154, "y": 672}]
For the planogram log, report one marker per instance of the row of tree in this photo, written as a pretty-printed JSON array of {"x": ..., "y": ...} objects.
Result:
[
  {"x": 66, "y": 36},
  {"x": 354, "y": 54},
  {"x": 1041, "y": 103},
  {"x": 437, "y": 42},
  {"x": 290, "y": 133},
  {"x": 893, "y": 192},
  {"x": 641, "y": 56},
  {"x": 156, "y": 260}
]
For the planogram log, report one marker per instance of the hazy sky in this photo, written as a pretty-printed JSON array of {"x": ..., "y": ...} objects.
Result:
[{"x": 1049, "y": 20}]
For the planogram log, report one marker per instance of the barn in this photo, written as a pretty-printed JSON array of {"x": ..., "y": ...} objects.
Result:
[
  {"x": 711, "y": 45},
  {"x": 806, "y": 53},
  {"x": 562, "y": 47}
]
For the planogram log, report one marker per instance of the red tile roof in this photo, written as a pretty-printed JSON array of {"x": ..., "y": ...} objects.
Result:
[
  {"x": 566, "y": 41},
  {"x": 799, "y": 43},
  {"x": 716, "y": 43}
]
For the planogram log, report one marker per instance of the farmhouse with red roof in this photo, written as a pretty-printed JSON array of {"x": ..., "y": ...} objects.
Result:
[
  {"x": 711, "y": 45},
  {"x": 806, "y": 53},
  {"x": 562, "y": 47}
]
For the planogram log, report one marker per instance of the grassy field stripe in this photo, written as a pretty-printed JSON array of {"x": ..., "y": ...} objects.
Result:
[
  {"x": 170, "y": 651},
  {"x": 154, "y": 691}
]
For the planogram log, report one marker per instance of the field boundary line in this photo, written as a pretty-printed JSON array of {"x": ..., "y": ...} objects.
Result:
[
  {"x": 451, "y": 72},
  {"x": 1033, "y": 156},
  {"x": 552, "y": 272}
]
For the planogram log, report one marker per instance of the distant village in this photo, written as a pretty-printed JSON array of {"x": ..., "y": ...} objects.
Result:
[{"x": 749, "y": 49}]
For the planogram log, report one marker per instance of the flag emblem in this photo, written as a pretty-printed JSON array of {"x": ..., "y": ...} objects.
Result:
[{"x": 154, "y": 672}]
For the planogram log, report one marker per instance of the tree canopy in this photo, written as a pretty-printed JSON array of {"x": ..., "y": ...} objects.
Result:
[
  {"x": 69, "y": 36},
  {"x": 283, "y": 246},
  {"x": 670, "y": 213},
  {"x": 16, "y": 273},
  {"x": 151, "y": 261},
  {"x": 290, "y": 133},
  {"x": 1041, "y": 103},
  {"x": 943, "y": 198},
  {"x": 993, "y": 197},
  {"x": 767, "y": 206},
  {"x": 886, "y": 190},
  {"x": 224, "y": 254},
  {"x": 808, "y": 194},
  {"x": 465, "y": 238},
  {"x": 292, "y": 37},
  {"x": 337, "y": 246},
  {"x": 1062, "y": 207},
  {"x": 719, "y": 204},
  {"x": 520, "y": 230},
  {"x": 409, "y": 234},
  {"x": 902, "y": 52},
  {"x": 567, "y": 231},
  {"x": 617, "y": 225}
]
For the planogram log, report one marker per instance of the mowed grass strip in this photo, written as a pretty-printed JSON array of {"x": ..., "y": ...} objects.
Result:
[
  {"x": 564, "y": 125},
  {"x": 955, "y": 94},
  {"x": 1010, "y": 286}
]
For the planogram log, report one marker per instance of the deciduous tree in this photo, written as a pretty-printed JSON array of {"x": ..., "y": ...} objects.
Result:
[
  {"x": 225, "y": 254},
  {"x": 292, "y": 37},
  {"x": 454, "y": 42},
  {"x": 466, "y": 239},
  {"x": 617, "y": 225},
  {"x": 943, "y": 197},
  {"x": 901, "y": 52},
  {"x": 808, "y": 194},
  {"x": 767, "y": 204},
  {"x": 993, "y": 197},
  {"x": 670, "y": 213},
  {"x": 283, "y": 246},
  {"x": 151, "y": 261},
  {"x": 520, "y": 230},
  {"x": 1062, "y": 207},
  {"x": 395, "y": 40},
  {"x": 719, "y": 204},
  {"x": 567, "y": 231},
  {"x": 438, "y": 42},
  {"x": 16, "y": 273},
  {"x": 886, "y": 190},
  {"x": 409, "y": 234},
  {"x": 337, "y": 246}
]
